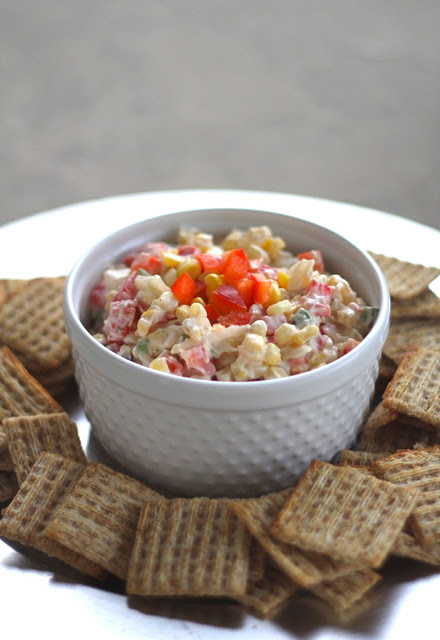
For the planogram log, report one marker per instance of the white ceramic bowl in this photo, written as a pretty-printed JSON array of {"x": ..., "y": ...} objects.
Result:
[{"x": 197, "y": 437}]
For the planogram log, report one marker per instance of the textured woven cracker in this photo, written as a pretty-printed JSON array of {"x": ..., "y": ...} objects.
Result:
[
  {"x": 303, "y": 567},
  {"x": 193, "y": 547},
  {"x": 257, "y": 560},
  {"x": 3, "y": 439},
  {"x": 361, "y": 458},
  {"x": 405, "y": 279},
  {"x": 342, "y": 592},
  {"x": 387, "y": 367},
  {"x": 25, "y": 519},
  {"x": 405, "y": 333},
  {"x": 32, "y": 324},
  {"x": 99, "y": 516},
  {"x": 20, "y": 393},
  {"x": 6, "y": 463},
  {"x": 62, "y": 373},
  {"x": 415, "y": 387},
  {"x": 407, "y": 546},
  {"x": 8, "y": 485},
  {"x": 425, "y": 305},
  {"x": 379, "y": 417},
  {"x": 9, "y": 288},
  {"x": 420, "y": 470},
  {"x": 344, "y": 513},
  {"x": 266, "y": 597},
  {"x": 29, "y": 436},
  {"x": 397, "y": 435}
]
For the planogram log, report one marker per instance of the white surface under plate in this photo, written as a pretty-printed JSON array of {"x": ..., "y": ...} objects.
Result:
[{"x": 39, "y": 603}]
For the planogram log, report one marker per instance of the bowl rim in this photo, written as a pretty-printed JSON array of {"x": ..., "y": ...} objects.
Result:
[{"x": 129, "y": 374}]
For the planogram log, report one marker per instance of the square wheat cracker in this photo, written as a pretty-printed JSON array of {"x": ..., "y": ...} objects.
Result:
[
  {"x": 405, "y": 279},
  {"x": 29, "y": 436},
  {"x": 407, "y": 546},
  {"x": 344, "y": 513},
  {"x": 266, "y": 597},
  {"x": 301, "y": 566},
  {"x": 99, "y": 517},
  {"x": 8, "y": 485},
  {"x": 24, "y": 520},
  {"x": 425, "y": 305},
  {"x": 415, "y": 387},
  {"x": 9, "y": 287},
  {"x": 20, "y": 393},
  {"x": 6, "y": 463},
  {"x": 405, "y": 333},
  {"x": 342, "y": 592},
  {"x": 418, "y": 469},
  {"x": 32, "y": 324},
  {"x": 191, "y": 547}
]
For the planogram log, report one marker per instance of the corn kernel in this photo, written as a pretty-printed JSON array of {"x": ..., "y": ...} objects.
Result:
[
  {"x": 232, "y": 240},
  {"x": 289, "y": 335},
  {"x": 306, "y": 334},
  {"x": 182, "y": 312},
  {"x": 283, "y": 306},
  {"x": 171, "y": 259},
  {"x": 198, "y": 300},
  {"x": 274, "y": 293},
  {"x": 272, "y": 355},
  {"x": 225, "y": 374},
  {"x": 160, "y": 364},
  {"x": 253, "y": 252},
  {"x": 317, "y": 360},
  {"x": 196, "y": 309},
  {"x": 259, "y": 327},
  {"x": 212, "y": 281},
  {"x": 239, "y": 371},
  {"x": 274, "y": 246},
  {"x": 170, "y": 277},
  {"x": 191, "y": 266},
  {"x": 273, "y": 373},
  {"x": 283, "y": 279},
  {"x": 254, "y": 346}
]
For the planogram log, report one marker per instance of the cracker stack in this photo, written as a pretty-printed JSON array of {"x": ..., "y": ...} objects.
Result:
[{"x": 32, "y": 326}]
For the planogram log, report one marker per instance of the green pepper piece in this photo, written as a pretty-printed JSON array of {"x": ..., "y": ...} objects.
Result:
[{"x": 301, "y": 319}]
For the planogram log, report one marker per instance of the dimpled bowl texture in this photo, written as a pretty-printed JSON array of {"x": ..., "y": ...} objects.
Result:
[{"x": 196, "y": 437}]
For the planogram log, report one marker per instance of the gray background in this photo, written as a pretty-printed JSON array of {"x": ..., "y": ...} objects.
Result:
[{"x": 329, "y": 98}]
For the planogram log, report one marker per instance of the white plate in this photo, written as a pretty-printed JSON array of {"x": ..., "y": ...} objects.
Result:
[{"x": 42, "y": 604}]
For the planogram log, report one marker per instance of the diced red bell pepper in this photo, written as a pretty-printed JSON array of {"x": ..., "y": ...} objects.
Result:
[
  {"x": 174, "y": 365},
  {"x": 128, "y": 290},
  {"x": 226, "y": 298},
  {"x": 235, "y": 317},
  {"x": 349, "y": 345},
  {"x": 235, "y": 265},
  {"x": 211, "y": 313},
  {"x": 317, "y": 298},
  {"x": 187, "y": 250},
  {"x": 184, "y": 288},
  {"x": 98, "y": 294},
  {"x": 198, "y": 358},
  {"x": 147, "y": 262},
  {"x": 155, "y": 248},
  {"x": 313, "y": 254},
  {"x": 122, "y": 315},
  {"x": 208, "y": 262},
  {"x": 269, "y": 272},
  {"x": 245, "y": 288},
  {"x": 261, "y": 289},
  {"x": 200, "y": 289}
]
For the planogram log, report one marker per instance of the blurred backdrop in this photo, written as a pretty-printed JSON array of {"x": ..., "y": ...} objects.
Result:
[{"x": 338, "y": 100}]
